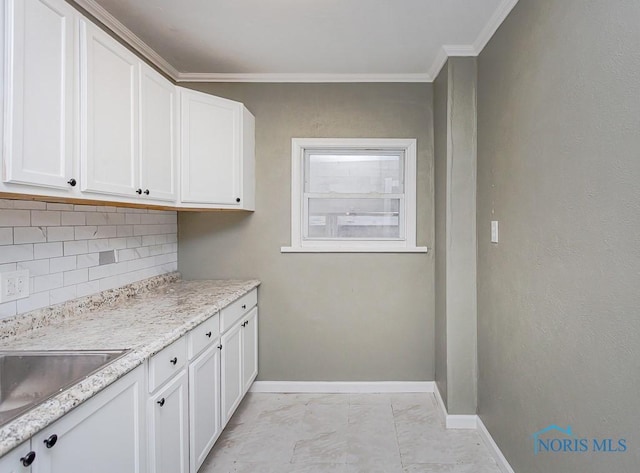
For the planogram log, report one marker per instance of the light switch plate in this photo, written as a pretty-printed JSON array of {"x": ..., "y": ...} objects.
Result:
[
  {"x": 14, "y": 285},
  {"x": 494, "y": 231}
]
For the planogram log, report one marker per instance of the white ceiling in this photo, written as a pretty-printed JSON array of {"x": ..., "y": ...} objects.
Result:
[{"x": 303, "y": 39}]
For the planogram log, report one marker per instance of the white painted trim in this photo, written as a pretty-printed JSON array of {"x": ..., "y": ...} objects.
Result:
[
  {"x": 459, "y": 50},
  {"x": 124, "y": 33},
  {"x": 300, "y": 77},
  {"x": 343, "y": 387},
  {"x": 494, "y": 23},
  {"x": 353, "y": 249},
  {"x": 408, "y": 244},
  {"x": 440, "y": 402},
  {"x": 461, "y": 421},
  {"x": 502, "y": 462},
  {"x": 437, "y": 64}
]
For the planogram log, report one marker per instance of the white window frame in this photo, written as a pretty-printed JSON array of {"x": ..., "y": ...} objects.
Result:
[{"x": 300, "y": 245}]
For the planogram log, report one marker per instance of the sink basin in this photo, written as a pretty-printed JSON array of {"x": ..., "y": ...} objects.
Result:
[{"x": 28, "y": 378}]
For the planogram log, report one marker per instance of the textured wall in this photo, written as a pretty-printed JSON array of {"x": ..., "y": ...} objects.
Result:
[
  {"x": 455, "y": 190},
  {"x": 324, "y": 316},
  {"x": 440, "y": 139},
  {"x": 59, "y": 245},
  {"x": 558, "y": 166}
]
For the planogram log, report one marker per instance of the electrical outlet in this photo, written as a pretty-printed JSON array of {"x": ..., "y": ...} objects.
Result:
[{"x": 14, "y": 285}]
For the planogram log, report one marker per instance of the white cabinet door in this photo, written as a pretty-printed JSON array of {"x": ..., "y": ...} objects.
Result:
[
  {"x": 39, "y": 109},
  {"x": 231, "y": 371},
  {"x": 250, "y": 349},
  {"x": 210, "y": 149},
  {"x": 109, "y": 88},
  {"x": 103, "y": 435},
  {"x": 158, "y": 130},
  {"x": 12, "y": 461},
  {"x": 168, "y": 428},
  {"x": 204, "y": 405}
]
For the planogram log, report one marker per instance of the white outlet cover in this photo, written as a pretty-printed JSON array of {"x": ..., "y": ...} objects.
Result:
[
  {"x": 494, "y": 231},
  {"x": 14, "y": 285}
]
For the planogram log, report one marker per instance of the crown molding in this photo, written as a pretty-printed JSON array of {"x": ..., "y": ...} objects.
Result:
[
  {"x": 102, "y": 15},
  {"x": 107, "y": 19},
  {"x": 494, "y": 23},
  {"x": 299, "y": 77}
]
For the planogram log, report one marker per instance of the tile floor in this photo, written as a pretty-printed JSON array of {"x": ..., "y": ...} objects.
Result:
[{"x": 345, "y": 433}]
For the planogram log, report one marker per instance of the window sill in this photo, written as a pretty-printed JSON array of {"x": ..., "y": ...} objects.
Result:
[{"x": 351, "y": 249}]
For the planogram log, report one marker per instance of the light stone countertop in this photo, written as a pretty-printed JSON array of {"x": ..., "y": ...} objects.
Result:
[{"x": 142, "y": 317}]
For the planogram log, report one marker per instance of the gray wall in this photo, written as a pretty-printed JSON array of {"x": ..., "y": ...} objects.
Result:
[
  {"x": 440, "y": 140},
  {"x": 324, "y": 316},
  {"x": 558, "y": 166},
  {"x": 455, "y": 190}
]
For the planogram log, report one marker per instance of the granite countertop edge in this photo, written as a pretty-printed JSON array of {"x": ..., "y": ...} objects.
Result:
[{"x": 21, "y": 429}]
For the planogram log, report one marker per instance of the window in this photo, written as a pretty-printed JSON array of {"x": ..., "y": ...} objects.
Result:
[{"x": 353, "y": 195}]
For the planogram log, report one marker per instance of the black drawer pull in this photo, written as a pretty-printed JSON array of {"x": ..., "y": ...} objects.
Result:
[
  {"x": 174, "y": 360},
  {"x": 244, "y": 306},
  {"x": 161, "y": 402},
  {"x": 27, "y": 460},
  {"x": 208, "y": 334},
  {"x": 51, "y": 441}
]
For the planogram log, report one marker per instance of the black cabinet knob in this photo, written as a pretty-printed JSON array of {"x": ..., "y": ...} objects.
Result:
[
  {"x": 244, "y": 306},
  {"x": 138, "y": 191},
  {"x": 146, "y": 192},
  {"x": 51, "y": 441},
  {"x": 27, "y": 460},
  {"x": 174, "y": 360},
  {"x": 220, "y": 347},
  {"x": 208, "y": 334},
  {"x": 72, "y": 182},
  {"x": 161, "y": 402},
  {"x": 238, "y": 199}
]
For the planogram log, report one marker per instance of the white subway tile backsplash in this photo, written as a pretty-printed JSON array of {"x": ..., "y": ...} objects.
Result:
[
  {"x": 15, "y": 218},
  {"x": 34, "y": 301},
  {"x": 75, "y": 247},
  {"x": 47, "y": 282},
  {"x": 47, "y": 250},
  {"x": 29, "y": 235},
  {"x": 65, "y": 263},
  {"x": 56, "y": 206},
  {"x": 36, "y": 267},
  {"x": 60, "y": 233},
  {"x": 56, "y": 296},
  {"x": 15, "y": 253},
  {"x": 59, "y": 245},
  {"x": 72, "y": 278},
  {"x": 45, "y": 218},
  {"x": 87, "y": 260},
  {"x": 6, "y": 236},
  {"x": 73, "y": 218}
]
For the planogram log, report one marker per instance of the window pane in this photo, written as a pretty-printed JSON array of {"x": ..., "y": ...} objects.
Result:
[
  {"x": 354, "y": 174},
  {"x": 353, "y": 218}
]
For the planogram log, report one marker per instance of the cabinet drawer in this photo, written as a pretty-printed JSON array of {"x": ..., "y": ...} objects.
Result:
[
  {"x": 230, "y": 314},
  {"x": 203, "y": 335},
  {"x": 165, "y": 364}
]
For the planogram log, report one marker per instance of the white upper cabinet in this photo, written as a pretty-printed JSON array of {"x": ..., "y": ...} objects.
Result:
[
  {"x": 109, "y": 88},
  {"x": 217, "y": 152},
  {"x": 158, "y": 130},
  {"x": 39, "y": 101}
]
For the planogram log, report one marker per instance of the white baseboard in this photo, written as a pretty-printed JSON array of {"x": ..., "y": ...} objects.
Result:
[
  {"x": 502, "y": 462},
  {"x": 473, "y": 422},
  {"x": 343, "y": 387}
]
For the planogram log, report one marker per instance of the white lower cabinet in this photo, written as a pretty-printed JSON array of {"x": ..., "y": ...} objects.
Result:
[
  {"x": 18, "y": 459},
  {"x": 103, "y": 435},
  {"x": 250, "y": 349},
  {"x": 231, "y": 371},
  {"x": 169, "y": 428},
  {"x": 205, "y": 424}
]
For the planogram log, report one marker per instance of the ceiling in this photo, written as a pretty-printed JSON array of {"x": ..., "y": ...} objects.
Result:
[{"x": 302, "y": 40}]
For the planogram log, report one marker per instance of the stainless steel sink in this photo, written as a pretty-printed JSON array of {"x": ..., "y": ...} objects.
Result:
[{"x": 28, "y": 378}]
